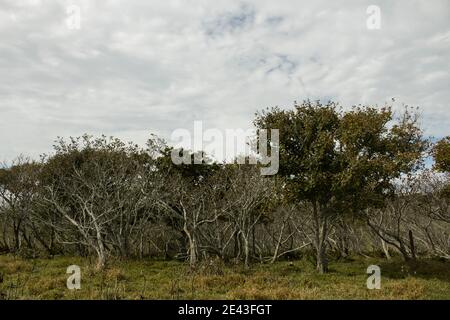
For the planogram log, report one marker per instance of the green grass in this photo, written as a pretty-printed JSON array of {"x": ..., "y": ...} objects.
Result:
[{"x": 151, "y": 279}]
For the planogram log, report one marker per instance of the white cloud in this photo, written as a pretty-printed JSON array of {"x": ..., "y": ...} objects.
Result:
[{"x": 137, "y": 67}]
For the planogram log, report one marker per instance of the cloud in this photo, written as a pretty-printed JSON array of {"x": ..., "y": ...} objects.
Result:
[{"x": 140, "y": 67}]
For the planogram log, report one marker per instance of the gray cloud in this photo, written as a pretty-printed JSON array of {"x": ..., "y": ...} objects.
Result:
[{"x": 140, "y": 67}]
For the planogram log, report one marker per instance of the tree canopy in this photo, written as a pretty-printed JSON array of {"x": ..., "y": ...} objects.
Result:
[{"x": 342, "y": 161}]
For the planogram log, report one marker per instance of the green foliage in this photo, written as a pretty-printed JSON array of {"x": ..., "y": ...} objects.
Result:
[
  {"x": 441, "y": 153},
  {"x": 343, "y": 160},
  {"x": 192, "y": 172},
  {"x": 103, "y": 198}
]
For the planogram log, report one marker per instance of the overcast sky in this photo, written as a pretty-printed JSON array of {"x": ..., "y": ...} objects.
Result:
[{"x": 141, "y": 67}]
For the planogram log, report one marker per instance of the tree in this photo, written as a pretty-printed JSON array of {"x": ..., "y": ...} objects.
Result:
[
  {"x": 246, "y": 198},
  {"x": 341, "y": 162},
  {"x": 431, "y": 213},
  {"x": 441, "y": 153},
  {"x": 391, "y": 223},
  {"x": 18, "y": 189},
  {"x": 101, "y": 190},
  {"x": 186, "y": 197}
]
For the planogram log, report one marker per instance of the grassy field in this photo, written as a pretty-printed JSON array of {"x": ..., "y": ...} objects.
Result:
[{"x": 150, "y": 279}]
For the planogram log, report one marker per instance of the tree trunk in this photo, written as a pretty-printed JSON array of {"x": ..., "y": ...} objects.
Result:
[
  {"x": 411, "y": 244},
  {"x": 192, "y": 246},
  {"x": 246, "y": 251},
  {"x": 321, "y": 234},
  {"x": 141, "y": 246},
  {"x": 17, "y": 242},
  {"x": 253, "y": 241},
  {"x": 277, "y": 246},
  {"x": 385, "y": 249},
  {"x": 101, "y": 259},
  {"x": 403, "y": 251},
  {"x": 101, "y": 263},
  {"x": 192, "y": 253},
  {"x": 322, "y": 261}
]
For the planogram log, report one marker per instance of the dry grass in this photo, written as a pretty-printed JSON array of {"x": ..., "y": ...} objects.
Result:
[{"x": 149, "y": 279}]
